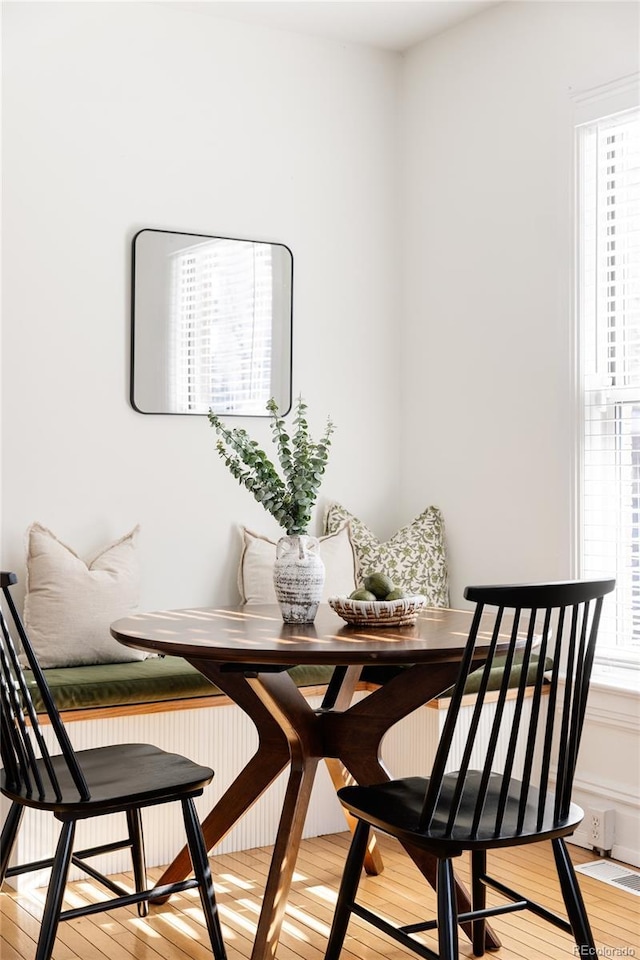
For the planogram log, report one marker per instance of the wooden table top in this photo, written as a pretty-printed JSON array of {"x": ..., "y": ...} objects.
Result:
[{"x": 257, "y": 634}]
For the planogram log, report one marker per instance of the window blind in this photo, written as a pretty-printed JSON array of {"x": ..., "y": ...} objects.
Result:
[{"x": 609, "y": 314}]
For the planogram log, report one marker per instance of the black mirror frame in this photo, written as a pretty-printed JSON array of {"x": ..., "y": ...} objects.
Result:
[{"x": 204, "y": 236}]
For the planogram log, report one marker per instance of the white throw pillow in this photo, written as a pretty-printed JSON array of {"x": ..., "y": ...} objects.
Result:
[
  {"x": 70, "y": 604},
  {"x": 255, "y": 573}
]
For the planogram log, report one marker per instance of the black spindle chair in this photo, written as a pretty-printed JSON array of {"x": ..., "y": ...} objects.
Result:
[
  {"x": 516, "y": 789},
  {"x": 90, "y": 783}
]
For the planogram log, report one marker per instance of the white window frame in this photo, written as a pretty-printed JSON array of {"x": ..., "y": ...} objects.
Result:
[{"x": 617, "y": 665}]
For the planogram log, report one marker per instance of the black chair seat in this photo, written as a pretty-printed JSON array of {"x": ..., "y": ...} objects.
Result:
[
  {"x": 396, "y": 808},
  {"x": 120, "y": 776}
]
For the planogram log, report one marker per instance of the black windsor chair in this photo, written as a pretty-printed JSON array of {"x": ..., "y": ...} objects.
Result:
[
  {"x": 90, "y": 783},
  {"x": 480, "y": 802}
]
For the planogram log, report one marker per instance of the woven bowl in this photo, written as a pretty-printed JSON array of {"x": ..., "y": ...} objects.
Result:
[{"x": 378, "y": 613}]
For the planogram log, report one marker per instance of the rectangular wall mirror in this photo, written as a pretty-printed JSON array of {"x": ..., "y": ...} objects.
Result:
[{"x": 211, "y": 324}]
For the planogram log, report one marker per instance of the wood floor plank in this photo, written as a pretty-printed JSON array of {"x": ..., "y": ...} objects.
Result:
[
  {"x": 311, "y": 904},
  {"x": 176, "y": 930}
]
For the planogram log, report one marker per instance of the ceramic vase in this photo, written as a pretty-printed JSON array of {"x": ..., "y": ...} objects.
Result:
[{"x": 298, "y": 577}]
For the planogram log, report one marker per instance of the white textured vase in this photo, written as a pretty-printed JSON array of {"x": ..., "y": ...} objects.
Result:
[{"x": 298, "y": 577}]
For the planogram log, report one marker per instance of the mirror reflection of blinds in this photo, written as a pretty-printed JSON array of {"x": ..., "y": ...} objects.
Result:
[
  {"x": 221, "y": 319},
  {"x": 609, "y": 200}
]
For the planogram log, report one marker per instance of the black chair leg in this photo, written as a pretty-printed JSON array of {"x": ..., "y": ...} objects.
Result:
[
  {"x": 478, "y": 899},
  {"x": 55, "y": 893},
  {"x": 8, "y": 838},
  {"x": 202, "y": 872},
  {"x": 447, "y": 911},
  {"x": 348, "y": 889},
  {"x": 134, "y": 823},
  {"x": 573, "y": 901}
]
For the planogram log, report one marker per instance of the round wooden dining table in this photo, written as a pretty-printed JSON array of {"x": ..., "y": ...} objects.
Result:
[{"x": 245, "y": 651}]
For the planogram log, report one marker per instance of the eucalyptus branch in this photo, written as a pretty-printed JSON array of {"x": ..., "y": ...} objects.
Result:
[
  {"x": 303, "y": 464},
  {"x": 281, "y": 439},
  {"x": 300, "y": 444}
]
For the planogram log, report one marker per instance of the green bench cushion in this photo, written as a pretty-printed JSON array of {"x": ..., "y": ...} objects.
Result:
[
  {"x": 382, "y": 674},
  {"x": 141, "y": 681},
  {"x": 172, "y": 678},
  {"x": 495, "y": 675}
]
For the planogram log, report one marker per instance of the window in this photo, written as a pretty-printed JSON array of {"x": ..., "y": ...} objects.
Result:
[{"x": 609, "y": 333}]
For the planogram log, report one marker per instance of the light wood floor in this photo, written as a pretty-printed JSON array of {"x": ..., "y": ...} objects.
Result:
[{"x": 176, "y": 932}]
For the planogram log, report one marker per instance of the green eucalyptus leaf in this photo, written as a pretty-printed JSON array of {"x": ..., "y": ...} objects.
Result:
[{"x": 289, "y": 498}]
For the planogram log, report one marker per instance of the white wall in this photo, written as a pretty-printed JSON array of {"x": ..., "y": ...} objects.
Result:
[
  {"x": 487, "y": 368},
  {"x": 487, "y": 183},
  {"x": 118, "y": 116}
]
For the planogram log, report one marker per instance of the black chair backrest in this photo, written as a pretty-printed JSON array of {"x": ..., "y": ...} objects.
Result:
[
  {"x": 22, "y": 744},
  {"x": 538, "y": 739}
]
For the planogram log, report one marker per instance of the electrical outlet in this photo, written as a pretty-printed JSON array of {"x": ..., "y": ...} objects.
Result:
[{"x": 600, "y": 826}]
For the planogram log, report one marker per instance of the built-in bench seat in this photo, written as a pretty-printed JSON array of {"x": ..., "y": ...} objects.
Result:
[
  {"x": 146, "y": 686},
  {"x": 377, "y": 675},
  {"x": 170, "y": 683}
]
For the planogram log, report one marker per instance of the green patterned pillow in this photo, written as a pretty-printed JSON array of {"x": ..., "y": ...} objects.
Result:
[{"x": 414, "y": 557}]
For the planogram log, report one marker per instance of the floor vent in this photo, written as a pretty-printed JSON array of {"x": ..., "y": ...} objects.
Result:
[{"x": 612, "y": 873}]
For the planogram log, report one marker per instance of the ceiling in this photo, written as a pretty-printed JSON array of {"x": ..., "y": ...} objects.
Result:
[{"x": 388, "y": 24}]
